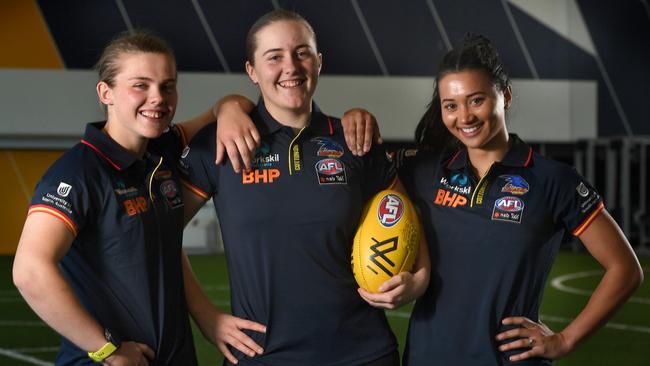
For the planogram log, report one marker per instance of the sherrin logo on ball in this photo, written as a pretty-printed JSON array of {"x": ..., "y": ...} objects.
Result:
[{"x": 386, "y": 241}]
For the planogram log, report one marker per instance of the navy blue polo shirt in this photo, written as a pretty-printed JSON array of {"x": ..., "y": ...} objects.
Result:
[
  {"x": 124, "y": 264},
  {"x": 288, "y": 227},
  {"x": 492, "y": 243}
]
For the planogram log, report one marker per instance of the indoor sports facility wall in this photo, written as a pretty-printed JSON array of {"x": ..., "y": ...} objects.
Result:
[
  {"x": 21, "y": 170},
  {"x": 579, "y": 67}
]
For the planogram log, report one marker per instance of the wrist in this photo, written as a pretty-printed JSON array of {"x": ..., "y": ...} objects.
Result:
[
  {"x": 569, "y": 341},
  {"x": 108, "y": 349}
]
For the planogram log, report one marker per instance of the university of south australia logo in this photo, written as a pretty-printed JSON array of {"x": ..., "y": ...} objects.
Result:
[{"x": 64, "y": 189}]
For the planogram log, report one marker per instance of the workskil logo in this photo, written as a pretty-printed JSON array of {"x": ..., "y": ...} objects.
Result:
[{"x": 264, "y": 157}]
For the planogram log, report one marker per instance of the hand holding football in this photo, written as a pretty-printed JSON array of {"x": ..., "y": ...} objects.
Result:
[{"x": 387, "y": 239}]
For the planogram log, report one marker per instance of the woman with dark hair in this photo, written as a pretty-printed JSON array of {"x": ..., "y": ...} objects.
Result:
[{"x": 495, "y": 214}]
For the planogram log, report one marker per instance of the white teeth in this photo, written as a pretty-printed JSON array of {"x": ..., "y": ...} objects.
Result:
[
  {"x": 469, "y": 130},
  {"x": 152, "y": 114},
  {"x": 290, "y": 83}
]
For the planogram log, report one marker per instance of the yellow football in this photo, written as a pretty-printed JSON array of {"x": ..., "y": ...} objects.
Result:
[{"x": 387, "y": 240}]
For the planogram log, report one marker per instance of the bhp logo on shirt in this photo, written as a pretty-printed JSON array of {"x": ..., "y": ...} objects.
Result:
[
  {"x": 135, "y": 205},
  {"x": 450, "y": 199},
  {"x": 260, "y": 176}
]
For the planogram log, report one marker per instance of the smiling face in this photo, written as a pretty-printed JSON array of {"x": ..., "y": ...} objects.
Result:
[
  {"x": 473, "y": 109},
  {"x": 142, "y": 100},
  {"x": 286, "y": 67}
]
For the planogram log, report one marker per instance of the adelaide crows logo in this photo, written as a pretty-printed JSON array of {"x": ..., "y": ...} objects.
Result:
[
  {"x": 380, "y": 250},
  {"x": 515, "y": 184},
  {"x": 328, "y": 147}
]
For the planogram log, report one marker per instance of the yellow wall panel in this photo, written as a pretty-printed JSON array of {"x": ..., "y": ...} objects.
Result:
[
  {"x": 25, "y": 41},
  {"x": 22, "y": 170}
]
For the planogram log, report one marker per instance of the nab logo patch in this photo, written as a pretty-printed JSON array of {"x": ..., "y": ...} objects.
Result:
[
  {"x": 390, "y": 210},
  {"x": 64, "y": 189},
  {"x": 330, "y": 171}
]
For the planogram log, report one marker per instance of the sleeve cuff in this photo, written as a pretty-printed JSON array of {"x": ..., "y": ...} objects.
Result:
[
  {"x": 56, "y": 213},
  {"x": 582, "y": 227}
]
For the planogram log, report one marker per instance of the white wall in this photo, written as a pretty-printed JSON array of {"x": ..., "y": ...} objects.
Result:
[{"x": 50, "y": 108}]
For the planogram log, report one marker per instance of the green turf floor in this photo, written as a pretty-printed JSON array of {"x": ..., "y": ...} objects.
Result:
[{"x": 624, "y": 341}]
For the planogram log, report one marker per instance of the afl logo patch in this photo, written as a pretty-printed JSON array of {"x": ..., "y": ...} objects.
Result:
[
  {"x": 329, "y": 166},
  {"x": 168, "y": 189},
  {"x": 509, "y": 204},
  {"x": 508, "y": 209},
  {"x": 64, "y": 189},
  {"x": 390, "y": 210},
  {"x": 330, "y": 171}
]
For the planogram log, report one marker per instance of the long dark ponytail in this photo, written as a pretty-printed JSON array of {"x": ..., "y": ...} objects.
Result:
[{"x": 476, "y": 53}]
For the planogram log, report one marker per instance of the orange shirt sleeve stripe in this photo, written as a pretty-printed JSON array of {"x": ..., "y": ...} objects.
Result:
[
  {"x": 195, "y": 189},
  {"x": 56, "y": 213},
  {"x": 580, "y": 229}
]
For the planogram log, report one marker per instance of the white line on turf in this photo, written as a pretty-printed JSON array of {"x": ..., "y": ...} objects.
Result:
[
  {"x": 618, "y": 326},
  {"x": 550, "y": 318},
  {"x": 19, "y": 356},
  {"x": 559, "y": 284},
  {"x": 35, "y": 349}
]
